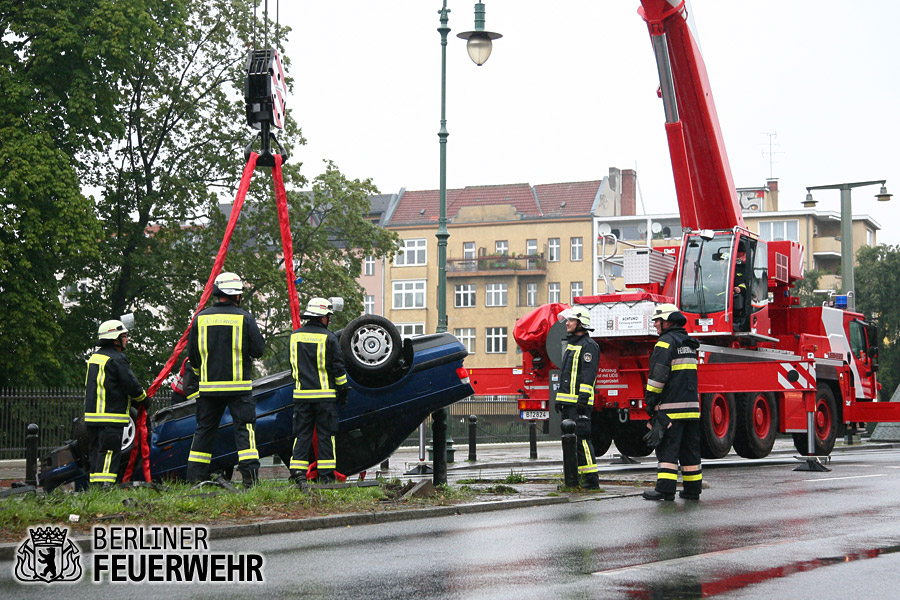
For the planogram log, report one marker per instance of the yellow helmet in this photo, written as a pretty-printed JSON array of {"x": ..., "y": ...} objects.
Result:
[
  {"x": 664, "y": 312},
  {"x": 580, "y": 314},
  {"x": 111, "y": 330},
  {"x": 228, "y": 284},
  {"x": 319, "y": 307}
]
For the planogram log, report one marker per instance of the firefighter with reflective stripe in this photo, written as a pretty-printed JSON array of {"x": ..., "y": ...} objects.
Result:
[
  {"x": 320, "y": 383},
  {"x": 672, "y": 401},
  {"x": 575, "y": 398},
  {"x": 223, "y": 341},
  {"x": 185, "y": 386},
  {"x": 110, "y": 388}
]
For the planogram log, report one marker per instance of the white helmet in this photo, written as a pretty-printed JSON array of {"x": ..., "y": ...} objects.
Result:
[
  {"x": 580, "y": 314},
  {"x": 319, "y": 307},
  {"x": 665, "y": 312},
  {"x": 111, "y": 330},
  {"x": 228, "y": 284}
]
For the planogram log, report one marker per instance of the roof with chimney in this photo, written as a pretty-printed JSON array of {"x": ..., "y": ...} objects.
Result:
[{"x": 521, "y": 201}]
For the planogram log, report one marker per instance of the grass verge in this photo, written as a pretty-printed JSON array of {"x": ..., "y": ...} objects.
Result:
[{"x": 178, "y": 503}]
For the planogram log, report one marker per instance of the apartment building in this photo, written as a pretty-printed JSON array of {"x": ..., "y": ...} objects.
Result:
[{"x": 514, "y": 247}]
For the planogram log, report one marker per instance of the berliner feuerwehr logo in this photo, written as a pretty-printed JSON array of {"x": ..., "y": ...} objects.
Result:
[{"x": 48, "y": 556}]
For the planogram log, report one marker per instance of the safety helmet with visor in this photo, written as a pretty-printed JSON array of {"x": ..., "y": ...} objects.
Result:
[
  {"x": 578, "y": 313},
  {"x": 319, "y": 307},
  {"x": 111, "y": 330},
  {"x": 228, "y": 284},
  {"x": 666, "y": 312}
]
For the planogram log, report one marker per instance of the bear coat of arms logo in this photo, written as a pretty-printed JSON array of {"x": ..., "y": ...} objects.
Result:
[{"x": 47, "y": 555}]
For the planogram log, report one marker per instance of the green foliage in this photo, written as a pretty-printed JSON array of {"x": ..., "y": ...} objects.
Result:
[
  {"x": 805, "y": 288},
  {"x": 877, "y": 278},
  {"x": 514, "y": 477}
]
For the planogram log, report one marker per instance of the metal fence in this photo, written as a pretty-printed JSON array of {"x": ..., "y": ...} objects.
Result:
[{"x": 53, "y": 410}]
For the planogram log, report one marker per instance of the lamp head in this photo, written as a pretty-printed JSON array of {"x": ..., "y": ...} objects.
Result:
[
  {"x": 479, "y": 42},
  {"x": 809, "y": 202},
  {"x": 882, "y": 195}
]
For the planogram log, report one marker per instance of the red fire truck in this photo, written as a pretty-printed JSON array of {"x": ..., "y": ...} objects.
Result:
[{"x": 767, "y": 365}]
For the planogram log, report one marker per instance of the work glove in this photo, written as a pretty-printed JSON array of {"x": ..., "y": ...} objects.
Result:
[
  {"x": 558, "y": 407},
  {"x": 650, "y": 407},
  {"x": 342, "y": 395},
  {"x": 658, "y": 425}
]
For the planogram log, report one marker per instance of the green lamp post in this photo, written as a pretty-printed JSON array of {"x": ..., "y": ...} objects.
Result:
[
  {"x": 479, "y": 44},
  {"x": 848, "y": 285}
]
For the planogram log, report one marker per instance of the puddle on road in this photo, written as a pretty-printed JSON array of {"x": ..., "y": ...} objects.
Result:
[{"x": 689, "y": 587}]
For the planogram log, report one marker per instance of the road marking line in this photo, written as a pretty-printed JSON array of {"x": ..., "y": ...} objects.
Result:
[{"x": 851, "y": 477}]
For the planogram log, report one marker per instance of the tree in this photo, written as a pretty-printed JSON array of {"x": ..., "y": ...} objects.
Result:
[
  {"x": 806, "y": 287},
  {"x": 57, "y": 60},
  {"x": 331, "y": 235},
  {"x": 878, "y": 287}
]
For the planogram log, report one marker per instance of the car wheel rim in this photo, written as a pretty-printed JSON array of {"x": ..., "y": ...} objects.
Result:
[
  {"x": 761, "y": 419},
  {"x": 372, "y": 345},
  {"x": 720, "y": 416}
]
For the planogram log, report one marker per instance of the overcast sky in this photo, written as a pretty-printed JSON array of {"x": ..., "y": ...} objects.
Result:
[{"x": 570, "y": 91}]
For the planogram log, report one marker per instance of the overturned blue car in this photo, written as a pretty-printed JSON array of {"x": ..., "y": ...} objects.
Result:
[{"x": 395, "y": 385}]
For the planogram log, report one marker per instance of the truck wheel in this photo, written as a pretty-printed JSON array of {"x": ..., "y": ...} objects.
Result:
[
  {"x": 371, "y": 345},
  {"x": 716, "y": 424},
  {"x": 826, "y": 421},
  {"x": 601, "y": 433},
  {"x": 629, "y": 438},
  {"x": 756, "y": 424}
]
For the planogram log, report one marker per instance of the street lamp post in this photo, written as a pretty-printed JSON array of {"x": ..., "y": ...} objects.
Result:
[
  {"x": 848, "y": 286},
  {"x": 479, "y": 46}
]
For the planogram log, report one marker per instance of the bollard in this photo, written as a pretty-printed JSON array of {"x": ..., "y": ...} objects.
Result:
[
  {"x": 31, "y": 454},
  {"x": 532, "y": 439},
  {"x": 473, "y": 436},
  {"x": 570, "y": 458},
  {"x": 439, "y": 442}
]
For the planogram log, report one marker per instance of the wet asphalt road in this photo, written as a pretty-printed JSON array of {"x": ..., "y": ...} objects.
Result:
[{"x": 761, "y": 531}]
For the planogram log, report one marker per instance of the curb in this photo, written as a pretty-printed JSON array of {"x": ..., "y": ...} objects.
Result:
[{"x": 222, "y": 532}]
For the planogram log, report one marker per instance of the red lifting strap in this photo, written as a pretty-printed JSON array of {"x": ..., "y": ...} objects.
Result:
[{"x": 287, "y": 249}]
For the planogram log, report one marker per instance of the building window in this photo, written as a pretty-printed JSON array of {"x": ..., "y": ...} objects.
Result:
[
  {"x": 576, "y": 248},
  {"x": 369, "y": 305},
  {"x": 495, "y": 340},
  {"x": 530, "y": 294},
  {"x": 409, "y": 294},
  {"x": 552, "y": 293},
  {"x": 466, "y": 336},
  {"x": 775, "y": 231},
  {"x": 412, "y": 252},
  {"x": 870, "y": 237},
  {"x": 576, "y": 289},
  {"x": 464, "y": 295},
  {"x": 369, "y": 265},
  {"x": 553, "y": 250},
  {"x": 501, "y": 247},
  {"x": 410, "y": 329},
  {"x": 495, "y": 294},
  {"x": 531, "y": 247}
]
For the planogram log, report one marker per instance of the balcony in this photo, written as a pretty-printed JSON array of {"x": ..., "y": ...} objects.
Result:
[
  {"x": 826, "y": 246},
  {"x": 497, "y": 265}
]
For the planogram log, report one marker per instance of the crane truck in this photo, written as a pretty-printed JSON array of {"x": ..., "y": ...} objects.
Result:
[{"x": 766, "y": 364}]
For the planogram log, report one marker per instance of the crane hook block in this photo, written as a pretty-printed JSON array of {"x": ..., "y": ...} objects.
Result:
[{"x": 264, "y": 89}]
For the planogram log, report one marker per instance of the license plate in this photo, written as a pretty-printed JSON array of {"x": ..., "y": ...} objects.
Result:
[
  {"x": 535, "y": 415},
  {"x": 704, "y": 321}
]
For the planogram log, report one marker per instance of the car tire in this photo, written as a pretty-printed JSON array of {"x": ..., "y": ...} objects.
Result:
[{"x": 371, "y": 346}]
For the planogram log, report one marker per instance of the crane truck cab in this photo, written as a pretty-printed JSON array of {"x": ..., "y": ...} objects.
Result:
[{"x": 722, "y": 285}]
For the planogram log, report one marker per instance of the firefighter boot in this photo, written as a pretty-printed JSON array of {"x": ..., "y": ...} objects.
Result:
[
  {"x": 251, "y": 477},
  {"x": 298, "y": 476},
  {"x": 693, "y": 484},
  {"x": 591, "y": 481},
  {"x": 655, "y": 495}
]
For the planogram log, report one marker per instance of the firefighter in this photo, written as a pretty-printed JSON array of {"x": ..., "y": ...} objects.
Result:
[
  {"x": 110, "y": 387},
  {"x": 672, "y": 401},
  {"x": 575, "y": 398},
  {"x": 320, "y": 383},
  {"x": 741, "y": 301},
  {"x": 223, "y": 341}
]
